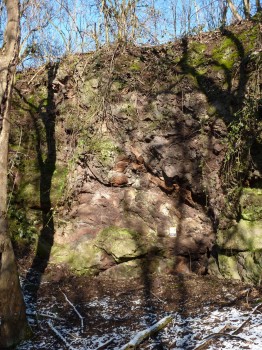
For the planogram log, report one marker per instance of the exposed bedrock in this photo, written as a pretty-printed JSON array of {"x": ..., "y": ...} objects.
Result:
[{"x": 143, "y": 163}]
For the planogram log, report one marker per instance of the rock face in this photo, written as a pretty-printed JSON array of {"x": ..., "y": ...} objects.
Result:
[
  {"x": 240, "y": 246},
  {"x": 152, "y": 184},
  {"x": 145, "y": 156}
]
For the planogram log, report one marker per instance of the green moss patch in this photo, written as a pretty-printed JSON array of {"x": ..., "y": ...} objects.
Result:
[
  {"x": 86, "y": 259},
  {"x": 251, "y": 204},
  {"x": 196, "y": 57},
  {"x": 226, "y": 54},
  {"x": 121, "y": 243},
  {"x": 228, "y": 266},
  {"x": 245, "y": 236}
]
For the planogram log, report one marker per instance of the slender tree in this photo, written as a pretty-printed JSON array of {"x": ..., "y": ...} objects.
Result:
[
  {"x": 247, "y": 8},
  {"x": 258, "y": 6},
  {"x": 13, "y": 324},
  {"x": 234, "y": 10}
]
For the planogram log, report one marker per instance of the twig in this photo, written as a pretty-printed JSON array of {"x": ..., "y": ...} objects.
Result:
[
  {"x": 76, "y": 311},
  {"x": 54, "y": 317},
  {"x": 205, "y": 343},
  {"x": 247, "y": 320},
  {"x": 228, "y": 335},
  {"x": 103, "y": 346},
  {"x": 224, "y": 335},
  {"x": 162, "y": 301},
  {"x": 39, "y": 70},
  {"x": 59, "y": 335},
  {"x": 208, "y": 340},
  {"x": 142, "y": 335}
]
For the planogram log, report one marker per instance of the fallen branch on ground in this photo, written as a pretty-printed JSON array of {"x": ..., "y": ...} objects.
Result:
[
  {"x": 76, "y": 311},
  {"x": 52, "y": 316},
  {"x": 224, "y": 335},
  {"x": 140, "y": 336},
  {"x": 207, "y": 342},
  {"x": 103, "y": 346},
  {"x": 231, "y": 335},
  {"x": 239, "y": 329},
  {"x": 59, "y": 335}
]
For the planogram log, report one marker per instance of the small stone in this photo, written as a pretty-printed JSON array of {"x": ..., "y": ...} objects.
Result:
[
  {"x": 118, "y": 179},
  {"x": 121, "y": 166},
  {"x": 217, "y": 148}
]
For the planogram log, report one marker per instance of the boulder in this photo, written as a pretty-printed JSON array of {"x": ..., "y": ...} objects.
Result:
[
  {"x": 85, "y": 258},
  {"x": 122, "y": 244}
]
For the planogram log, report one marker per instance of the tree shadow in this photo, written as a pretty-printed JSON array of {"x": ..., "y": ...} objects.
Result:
[
  {"x": 233, "y": 99},
  {"x": 45, "y": 145}
]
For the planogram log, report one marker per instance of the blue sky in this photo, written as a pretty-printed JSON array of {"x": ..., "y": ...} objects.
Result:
[{"x": 58, "y": 27}]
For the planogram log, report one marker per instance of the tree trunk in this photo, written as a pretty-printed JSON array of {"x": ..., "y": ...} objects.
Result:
[
  {"x": 246, "y": 4},
  {"x": 258, "y": 6},
  {"x": 13, "y": 324},
  {"x": 234, "y": 10}
]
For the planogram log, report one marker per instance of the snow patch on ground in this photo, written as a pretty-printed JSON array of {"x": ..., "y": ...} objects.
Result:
[{"x": 109, "y": 323}]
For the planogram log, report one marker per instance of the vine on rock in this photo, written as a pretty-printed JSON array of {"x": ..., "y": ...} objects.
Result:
[{"x": 242, "y": 132}]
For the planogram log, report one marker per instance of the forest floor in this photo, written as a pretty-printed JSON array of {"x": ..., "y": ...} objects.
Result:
[{"x": 76, "y": 312}]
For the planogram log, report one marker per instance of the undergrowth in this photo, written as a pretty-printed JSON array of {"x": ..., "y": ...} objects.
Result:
[{"x": 242, "y": 132}]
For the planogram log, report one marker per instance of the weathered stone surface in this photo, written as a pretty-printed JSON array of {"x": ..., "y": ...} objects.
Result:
[
  {"x": 246, "y": 266},
  {"x": 142, "y": 151},
  {"x": 142, "y": 267},
  {"x": 250, "y": 266},
  {"x": 117, "y": 178},
  {"x": 146, "y": 211},
  {"x": 85, "y": 258},
  {"x": 244, "y": 236},
  {"x": 123, "y": 244},
  {"x": 228, "y": 266},
  {"x": 128, "y": 269}
]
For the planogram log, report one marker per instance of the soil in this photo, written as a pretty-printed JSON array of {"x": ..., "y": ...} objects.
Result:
[{"x": 113, "y": 311}]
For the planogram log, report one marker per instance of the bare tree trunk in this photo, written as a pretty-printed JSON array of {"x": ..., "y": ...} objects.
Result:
[
  {"x": 13, "y": 324},
  {"x": 246, "y": 4},
  {"x": 105, "y": 12},
  {"x": 234, "y": 10},
  {"x": 224, "y": 13},
  {"x": 174, "y": 16},
  {"x": 258, "y": 6}
]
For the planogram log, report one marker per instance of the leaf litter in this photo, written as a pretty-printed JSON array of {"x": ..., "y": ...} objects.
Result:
[{"x": 104, "y": 314}]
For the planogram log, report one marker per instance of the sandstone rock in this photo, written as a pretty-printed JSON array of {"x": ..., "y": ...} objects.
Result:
[
  {"x": 121, "y": 166},
  {"x": 128, "y": 269},
  {"x": 118, "y": 179},
  {"x": 85, "y": 258},
  {"x": 250, "y": 266},
  {"x": 182, "y": 265},
  {"x": 217, "y": 148},
  {"x": 122, "y": 244},
  {"x": 140, "y": 268},
  {"x": 246, "y": 266}
]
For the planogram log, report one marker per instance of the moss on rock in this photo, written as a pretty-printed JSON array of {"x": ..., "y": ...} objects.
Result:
[
  {"x": 250, "y": 266},
  {"x": 251, "y": 204},
  {"x": 228, "y": 266},
  {"x": 85, "y": 259},
  {"x": 121, "y": 243},
  {"x": 245, "y": 236}
]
